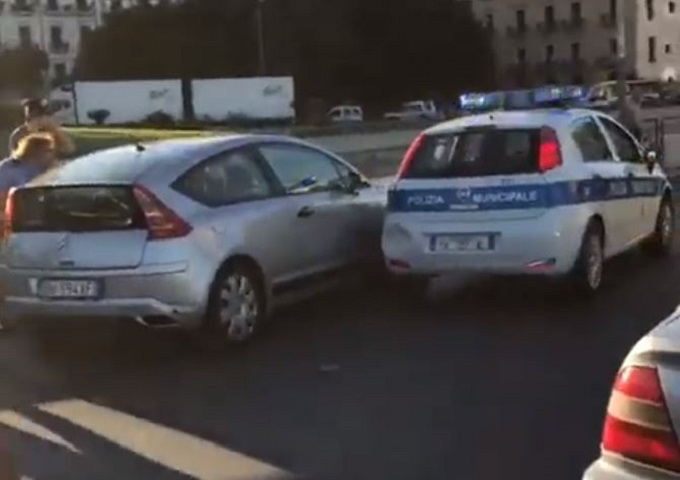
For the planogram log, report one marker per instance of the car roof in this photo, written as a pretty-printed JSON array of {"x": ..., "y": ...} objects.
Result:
[
  {"x": 128, "y": 163},
  {"x": 550, "y": 117}
]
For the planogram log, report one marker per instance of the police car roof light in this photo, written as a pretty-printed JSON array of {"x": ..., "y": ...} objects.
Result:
[
  {"x": 480, "y": 101},
  {"x": 557, "y": 96},
  {"x": 410, "y": 155},
  {"x": 549, "y": 155}
]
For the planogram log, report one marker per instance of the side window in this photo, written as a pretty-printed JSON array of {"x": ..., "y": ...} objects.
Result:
[
  {"x": 590, "y": 141},
  {"x": 228, "y": 178},
  {"x": 301, "y": 169},
  {"x": 624, "y": 144}
]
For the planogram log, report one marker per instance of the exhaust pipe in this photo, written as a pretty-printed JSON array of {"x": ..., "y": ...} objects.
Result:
[{"x": 157, "y": 322}]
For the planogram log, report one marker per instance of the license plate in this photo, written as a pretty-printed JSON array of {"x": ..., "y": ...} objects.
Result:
[
  {"x": 462, "y": 243},
  {"x": 68, "y": 289}
]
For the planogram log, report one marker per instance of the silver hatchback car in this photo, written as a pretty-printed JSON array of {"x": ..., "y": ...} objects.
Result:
[{"x": 208, "y": 233}]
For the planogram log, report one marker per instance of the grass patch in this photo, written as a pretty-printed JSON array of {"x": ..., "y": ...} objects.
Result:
[{"x": 90, "y": 139}]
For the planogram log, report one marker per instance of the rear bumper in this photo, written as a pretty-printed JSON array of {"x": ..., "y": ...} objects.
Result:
[
  {"x": 606, "y": 468},
  {"x": 545, "y": 245},
  {"x": 168, "y": 290}
]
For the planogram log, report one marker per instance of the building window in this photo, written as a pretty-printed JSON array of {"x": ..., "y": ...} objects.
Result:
[
  {"x": 489, "y": 21},
  {"x": 116, "y": 5},
  {"x": 651, "y": 47},
  {"x": 549, "y": 15},
  {"x": 650, "y": 9},
  {"x": 521, "y": 55},
  {"x": 60, "y": 71},
  {"x": 520, "y": 17},
  {"x": 549, "y": 53},
  {"x": 667, "y": 48},
  {"x": 613, "y": 8},
  {"x": 25, "y": 37},
  {"x": 671, "y": 7},
  {"x": 56, "y": 38},
  {"x": 52, "y": 5},
  {"x": 576, "y": 12},
  {"x": 575, "y": 51},
  {"x": 84, "y": 32},
  {"x": 613, "y": 46}
]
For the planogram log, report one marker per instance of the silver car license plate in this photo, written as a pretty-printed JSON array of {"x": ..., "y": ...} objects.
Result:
[{"x": 68, "y": 289}]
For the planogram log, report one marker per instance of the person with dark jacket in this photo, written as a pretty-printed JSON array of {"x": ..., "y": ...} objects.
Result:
[{"x": 630, "y": 115}]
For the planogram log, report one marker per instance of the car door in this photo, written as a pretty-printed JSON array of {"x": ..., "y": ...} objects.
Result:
[
  {"x": 320, "y": 207},
  {"x": 641, "y": 184},
  {"x": 245, "y": 209},
  {"x": 603, "y": 171}
]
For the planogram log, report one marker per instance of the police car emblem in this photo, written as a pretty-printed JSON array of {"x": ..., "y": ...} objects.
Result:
[{"x": 464, "y": 194}]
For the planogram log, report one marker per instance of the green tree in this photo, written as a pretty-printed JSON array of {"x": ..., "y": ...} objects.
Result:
[
  {"x": 370, "y": 51},
  {"x": 23, "y": 69}
]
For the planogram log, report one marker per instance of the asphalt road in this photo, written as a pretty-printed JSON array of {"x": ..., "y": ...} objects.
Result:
[{"x": 498, "y": 378}]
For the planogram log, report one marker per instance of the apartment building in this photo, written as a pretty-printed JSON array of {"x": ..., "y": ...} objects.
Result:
[
  {"x": 56, "y": 26},
  {"x": 546, "y": 41}
]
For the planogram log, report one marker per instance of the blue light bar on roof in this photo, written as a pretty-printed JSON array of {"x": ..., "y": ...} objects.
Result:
[
  {"x": 480, "y": 101},
  {"x": 557, "y": 94}
]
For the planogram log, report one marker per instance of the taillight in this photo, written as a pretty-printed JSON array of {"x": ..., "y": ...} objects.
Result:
[
  {"x": 549, "y": 155},
  {"x": 161, "y": 221},
  {"x": 637, "y": 425},
  {"x": 410, "y": 155},
  {"x": 9, "y": 213}
]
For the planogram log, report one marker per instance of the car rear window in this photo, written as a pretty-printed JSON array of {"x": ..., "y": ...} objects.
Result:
[
  {"x": 476, "y": 153},
  {"x": 76, "y": 209}
]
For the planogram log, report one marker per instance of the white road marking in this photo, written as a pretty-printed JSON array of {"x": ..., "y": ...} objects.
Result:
[
  {"x": 173, "y": 449},
  {"x": 24, "y": 424}
]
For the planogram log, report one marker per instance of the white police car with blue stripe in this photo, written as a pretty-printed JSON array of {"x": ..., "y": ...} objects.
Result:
[{"x": 549, "y": 192}]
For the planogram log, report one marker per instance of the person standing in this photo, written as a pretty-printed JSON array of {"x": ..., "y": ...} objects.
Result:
[
  {"x": 35, "y": 154},
  {"x": 37, "y": 120}
]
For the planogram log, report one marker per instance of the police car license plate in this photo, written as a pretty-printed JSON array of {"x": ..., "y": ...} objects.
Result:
[
  {"x": 68, "y": 289},
  {"x": 461, "y": 243}
]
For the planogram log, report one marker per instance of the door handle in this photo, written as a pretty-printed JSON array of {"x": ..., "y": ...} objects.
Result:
[{"x": 305, "y": 212}]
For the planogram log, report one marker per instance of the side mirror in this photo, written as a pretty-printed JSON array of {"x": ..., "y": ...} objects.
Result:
[
  {"x": 354, "y": 181},
  {"x": 651, "y": 160}
]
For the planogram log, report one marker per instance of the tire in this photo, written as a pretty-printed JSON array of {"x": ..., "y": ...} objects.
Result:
[
  {"x": 661, "y": 242},
  {"x": 236, "y": 309},
  {"x": 587, "y": 274}
]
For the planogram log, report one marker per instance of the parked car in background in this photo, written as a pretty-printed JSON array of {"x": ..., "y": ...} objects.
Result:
[
  {"x": 639, "y": 439},
  {"x": 416, "y": 110},
  {"x": 205, "y": 234},
  {"x": 346, "y": 114}
]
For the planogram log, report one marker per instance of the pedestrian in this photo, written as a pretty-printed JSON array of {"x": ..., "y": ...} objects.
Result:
[
  {"x": 34, "y": 154},
  {"x": 36, "y": 120},
  {"x": 630, "y": 115}
]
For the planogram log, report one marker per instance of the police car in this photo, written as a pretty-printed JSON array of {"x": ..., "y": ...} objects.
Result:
[{"x": 550, "y": 191}]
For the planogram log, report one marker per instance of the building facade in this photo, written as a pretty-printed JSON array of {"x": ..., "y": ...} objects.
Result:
[
  {"x": 56, "y": 26},
  {"x": 563, "y": 41}
]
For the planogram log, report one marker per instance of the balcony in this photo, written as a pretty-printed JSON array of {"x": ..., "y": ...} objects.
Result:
[
  {"x": 22, "y": 8},
  {"x": 573, "y": 24},
  {"x": 59, "y": 47},
  {"x": 608, "y": 20},
  {"x": 546, "y": 28},
  {"x": 517, "y": 31}
]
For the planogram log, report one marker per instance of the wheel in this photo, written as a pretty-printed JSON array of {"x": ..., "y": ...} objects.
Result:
[
  {"x": 661, "y": 241},
  {"x": 589, "y": 268},
  {"x": 236, "y": 308}
]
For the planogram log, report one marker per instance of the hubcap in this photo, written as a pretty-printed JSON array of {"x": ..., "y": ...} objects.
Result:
[
  {"x": 238, "y": 307},
  {"x": 666, "y": 225},
  {"x": 594, "y": 262}
]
